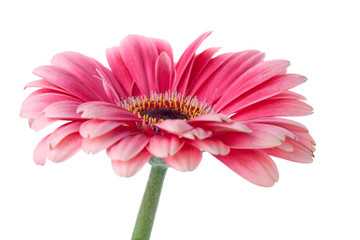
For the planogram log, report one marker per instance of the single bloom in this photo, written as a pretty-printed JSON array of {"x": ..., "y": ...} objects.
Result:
[{"x": 231, "y": 105}]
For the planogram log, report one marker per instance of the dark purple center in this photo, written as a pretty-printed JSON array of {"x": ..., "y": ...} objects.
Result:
[{"x": 163, "y": 113}]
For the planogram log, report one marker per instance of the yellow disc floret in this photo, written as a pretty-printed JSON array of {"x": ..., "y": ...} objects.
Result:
[{"x": 162, "y": 106}]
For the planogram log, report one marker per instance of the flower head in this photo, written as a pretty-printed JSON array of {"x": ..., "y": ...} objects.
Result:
[{"x": 231, "y": 105}]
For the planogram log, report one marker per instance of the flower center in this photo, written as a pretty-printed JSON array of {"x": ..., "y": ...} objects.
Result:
[{"x": 162, "y": 106}]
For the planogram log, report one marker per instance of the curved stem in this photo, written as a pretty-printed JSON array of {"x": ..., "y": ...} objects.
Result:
[{"x": 149, "y": 203}]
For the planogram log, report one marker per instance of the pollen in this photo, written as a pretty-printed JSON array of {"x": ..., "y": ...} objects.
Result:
[{"x": 162, "y": 106}]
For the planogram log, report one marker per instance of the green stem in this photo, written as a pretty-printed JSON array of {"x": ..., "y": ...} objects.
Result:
[{"x": 149, "y": 203}]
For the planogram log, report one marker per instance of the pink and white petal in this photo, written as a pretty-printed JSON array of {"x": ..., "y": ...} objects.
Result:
[
  {"x": 41, "y": 151},
  {"x": 87, "y": 70},
  {"x": 43, "y": 84},
  {"x": 211, "y": 118},
  {"x": 261, "y": 136},
  {"x": 282, "y": 122},
  {"x": 187, "y": 58},
  {"x": 265, "y": 90},
  {"x": 279, "y": 132},
  {"x": 211, "y": 145},
  {"x": 187, "y": 134},
  {"x": 40, "y": 123},
  {"x": 37, "y": 101},
  {"x": 297, "y": 155},
  {"x": 97, "y": 144},
  {"x": 273, "y": 108},
  {"x": 289, "y": 95},
  {"x": 163, "y": 146},
  {"x": 65, "y": 149},
  {"x": 174, "y": 126},
  {"x": 306, "y": 139},
  {"x": 132, "y": 166},
  {"x": 139, "y": 54},
  {"x": 253, "y": 165},
  {"x": 225, "y": 127},
  {"x": 200, "y": 133},
  {"x": 186, "y": 159},
  {"x": 62, "y": 110},
  {"x": 106, "y": 111},
  {"x": 253, "y": 140},
  {"x": 297, "y": 144},
  {"x": 63, "y": 131},
  {"x": 128, "y": 147},
  {"x": 251, "y": 78},
  {"x": 94, "y": 128},
  {"x": 286, "y": 146},
  {"x": 119, "y": 69},
  {"x": 67, "y": 81},
  {"x": 163, "y": 72}
]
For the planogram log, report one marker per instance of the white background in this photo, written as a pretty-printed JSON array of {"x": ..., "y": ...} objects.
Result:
[{"x": 83, "y": 199}]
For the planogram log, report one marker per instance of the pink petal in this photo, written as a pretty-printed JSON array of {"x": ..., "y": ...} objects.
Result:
[
  {"x": 286, "y": 146},
  {"x": 306, "y": 140},
  {"x": 289, "y": 95},
  {"x": 94, "y": 128},
  {"x": 139, "y": 54},
  {"x": 253, "y": 165},
  {"x": 225, "y": 127},
  {"x": 273, "y": 108},
  {"x": 37, "y": 101},
  {"x": 281, "y": 122},
  {"x": 211, "y": 118},
  {"x": 163, "y": 146},
  {"x": 128, "y": 147},
  {"x": 62, "y": 110},
  {"x": 97, "y": 144},
  {"x": 200, "y": 61},
  {"x": 42, "y": 83},
  {"x": 41, "y": 151},
  {"x": 63, "y": 131},
  {"x": 200, "y": 133},
  {"x": 186, "y": 159},
  {"x": 261, "y": 136},
  {"x": 67, "y": 81},
  {"x": 251, "y": 78},
  {"x": 211, "y": 67},
  {"x": 163, "y": 71},
  {"x": 186, "y": 58},
  {"x": 211, "y": 145},
  {"x": 187, "y": 134},
  {"x": 70, "y": 145},
  {"x": 163, "y": 46},
  {"x": 88, "y": 71},
  {"x": 120, "y": 70},
  {"x": 40, "y": 123},
  {"x": 228, "y": 72},
  {"x": 269, "y": 88},
  {"x": 297, "y": 155},
  {"x": 147, "y": 129},
  {"x": 174, "y": 126},
  {"x": 132, "y": 166},
  {"x": 106, "y": 111}
]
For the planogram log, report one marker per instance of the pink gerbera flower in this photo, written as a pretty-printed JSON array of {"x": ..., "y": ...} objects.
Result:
[{"x": 230, "y": 105}]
